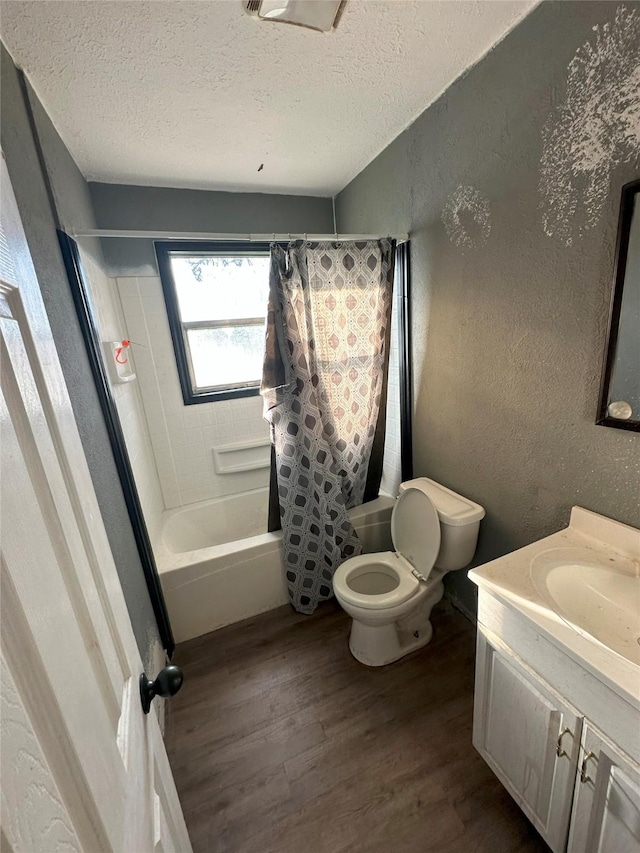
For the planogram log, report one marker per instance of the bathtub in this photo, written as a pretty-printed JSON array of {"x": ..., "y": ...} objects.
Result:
[{"x": 208, "y": 585}]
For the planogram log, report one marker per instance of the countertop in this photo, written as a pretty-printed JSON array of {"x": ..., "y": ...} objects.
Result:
[{"x": 509, "y": 577}]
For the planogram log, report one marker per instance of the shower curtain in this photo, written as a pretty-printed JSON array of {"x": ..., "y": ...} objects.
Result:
[{"x": 324, "y": 389}]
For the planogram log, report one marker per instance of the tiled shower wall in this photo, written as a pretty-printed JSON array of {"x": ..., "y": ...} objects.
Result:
[
  {"x": 111, "y": 326},
  {"x": 183, "y": 437}
]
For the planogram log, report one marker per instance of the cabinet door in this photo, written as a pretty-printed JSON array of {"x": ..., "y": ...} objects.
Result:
[
  {"x": 529, "y": 737},
  {"x": 606, "y": 806}
]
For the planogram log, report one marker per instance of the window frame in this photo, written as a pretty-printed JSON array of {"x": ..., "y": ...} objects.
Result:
[{"x": 165, "y": 249}]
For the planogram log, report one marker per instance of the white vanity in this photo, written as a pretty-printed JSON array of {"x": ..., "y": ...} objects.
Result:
[{"x": 557, "y": 698}]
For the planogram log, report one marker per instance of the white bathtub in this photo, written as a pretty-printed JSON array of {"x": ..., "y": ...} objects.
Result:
[{"x": 208, "y": 585}]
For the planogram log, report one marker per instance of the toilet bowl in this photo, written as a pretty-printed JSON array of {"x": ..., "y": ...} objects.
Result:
[{"x": 390, "y": 595}]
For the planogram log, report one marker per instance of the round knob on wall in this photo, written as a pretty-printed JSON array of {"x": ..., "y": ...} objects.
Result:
[{"x": 167, "y": 683}]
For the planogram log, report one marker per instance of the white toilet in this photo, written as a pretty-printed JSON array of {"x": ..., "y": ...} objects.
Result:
[{"x": 390, "y": 594}]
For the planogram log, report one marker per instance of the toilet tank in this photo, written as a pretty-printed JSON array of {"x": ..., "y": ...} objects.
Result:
[{"x": 459, "y": 523}]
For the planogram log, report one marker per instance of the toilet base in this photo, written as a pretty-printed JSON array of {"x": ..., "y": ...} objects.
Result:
[
  {"x": 378, "y": 645},
  {"x": 383, "y": 644}
]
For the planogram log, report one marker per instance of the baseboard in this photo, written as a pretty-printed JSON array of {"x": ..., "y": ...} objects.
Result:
[{"x": 458, "y": 605}]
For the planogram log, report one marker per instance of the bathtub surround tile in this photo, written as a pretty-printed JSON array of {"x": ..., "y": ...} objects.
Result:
[
  {"x": 112, "y": 325},
  {"x": 177, "y": 442},
  {"x": 132, "y": 308},
  {"x": 226, "y": 428},
  {"x": 171, "y": 397},
  {"x": 241, "y": 430},
  {"x": 170, "y": 483},
  {"x": 172, "y": 498},
  {"x": 155, "y": 417},
  {"x": 181, "y": 452},
  {"x": 192, "y": 495},
  {"x": 208, "y": 416},
  {"x": 166, "y": 467},
  {"x": 194, "y": 465},
  {"x": 191, "y": 417},
  {"x": 194, "y": 480},
  {"x": 149, "y": 386},
  {"x": 210, "y": 434},
  {"x": 174, "y": 422},
  {"x": 193, "y": 436},
  {"x": 185, "y": 485},
  {"x": 280, "y": 742},
  {"x": 149, "y": 288},
  {"x": 183, "y": 426},
  {"x": 160, "y": 443},
  {"x": 225, "y": 419}
]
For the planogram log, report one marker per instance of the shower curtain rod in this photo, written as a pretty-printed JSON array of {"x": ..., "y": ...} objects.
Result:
[{"x": 251, "y": 238}]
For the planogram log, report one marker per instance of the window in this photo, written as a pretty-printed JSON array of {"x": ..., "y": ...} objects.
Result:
[{"x": 216, "y": 296}]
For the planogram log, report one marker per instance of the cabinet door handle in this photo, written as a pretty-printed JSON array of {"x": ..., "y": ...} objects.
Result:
[
  {"x": 559, "y": 750},
  {"x": 583, "y": 769}
]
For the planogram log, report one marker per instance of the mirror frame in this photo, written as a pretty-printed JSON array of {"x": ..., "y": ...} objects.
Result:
[{"x": 629, "y": 192}]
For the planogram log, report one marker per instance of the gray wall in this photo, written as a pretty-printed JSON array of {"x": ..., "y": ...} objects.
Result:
[
  {"x": 74, "y": 209},
  {"x": 508, "y": 334},
  {"x": 122, "y": 207}
]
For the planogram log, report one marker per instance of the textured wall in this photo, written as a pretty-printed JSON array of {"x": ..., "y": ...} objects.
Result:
[
  {"x": 74, "y": 208},
  {"x": 121, "y": 207},
  {"x": 512, "y": 208}
]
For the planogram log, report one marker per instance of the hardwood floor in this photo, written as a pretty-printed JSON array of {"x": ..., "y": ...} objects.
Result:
[{"x": 281, "y": 742}]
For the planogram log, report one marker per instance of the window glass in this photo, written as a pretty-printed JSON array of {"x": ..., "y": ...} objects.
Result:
[
  {"x": 226, "y": 356},
  {"x": 216, "y": 296},
  {"x": 221, "y": 287}
]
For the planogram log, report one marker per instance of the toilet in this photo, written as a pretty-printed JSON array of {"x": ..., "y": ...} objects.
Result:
[{"x": 390, "y": 595}]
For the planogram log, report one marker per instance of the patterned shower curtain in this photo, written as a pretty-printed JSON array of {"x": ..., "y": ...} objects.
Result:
[{"x": 325, "y": 368}]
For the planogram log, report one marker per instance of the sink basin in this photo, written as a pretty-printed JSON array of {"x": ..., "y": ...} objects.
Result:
[{"x": 594, "y": 592}]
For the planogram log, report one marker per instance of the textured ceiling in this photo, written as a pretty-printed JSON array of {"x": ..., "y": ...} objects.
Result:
[{"x": 196, "y": 94}]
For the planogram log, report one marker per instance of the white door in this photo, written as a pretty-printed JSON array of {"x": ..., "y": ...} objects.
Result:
[
  {"x": 529, "y": 736},
  {"x": 606, "y": 807},
  {"x": 83, "y": 769}
]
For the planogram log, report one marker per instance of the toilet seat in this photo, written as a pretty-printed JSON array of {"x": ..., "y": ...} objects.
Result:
[
  {"x": 387, "y": 562},
  {"x": 415, "y": 528}
]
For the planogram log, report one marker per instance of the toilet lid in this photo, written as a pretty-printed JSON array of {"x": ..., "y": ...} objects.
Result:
[{"x": 415, "y": 529}]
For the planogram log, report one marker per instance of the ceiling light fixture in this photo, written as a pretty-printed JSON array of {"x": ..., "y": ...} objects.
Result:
[{"x": 322, "y": 15}]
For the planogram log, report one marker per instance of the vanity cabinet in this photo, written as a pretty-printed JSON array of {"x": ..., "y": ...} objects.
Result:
[
  {"x": 555, "y": 737},
  {"x": 606, "y": 804},
  {"x": 529, "y": 736}
]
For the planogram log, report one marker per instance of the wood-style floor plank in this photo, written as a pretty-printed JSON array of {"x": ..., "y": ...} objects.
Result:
[{"x": 281, "y": 742}]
